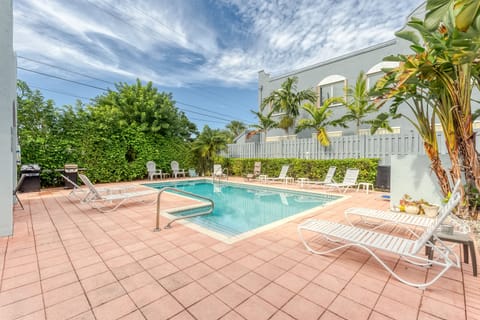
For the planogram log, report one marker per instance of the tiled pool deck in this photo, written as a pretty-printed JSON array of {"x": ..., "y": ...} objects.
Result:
[{"x": 68, "y": 261}]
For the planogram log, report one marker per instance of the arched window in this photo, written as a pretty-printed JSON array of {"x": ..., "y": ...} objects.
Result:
[
  {"x": 375, "y": 73},
  {"x": 331, "y": 86}
]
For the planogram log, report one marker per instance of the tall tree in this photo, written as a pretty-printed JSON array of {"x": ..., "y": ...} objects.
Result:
[
  {"x": 143, "y": 107},
  {"x": 208, "y": 143},
  {"x": 319, "y": 120},
  {"x": 287, "y": 101},
  {"x": 265, "y": 123},
  {"x": 358, "y": 103},
  {"x": 444, "y": 67},
  {"x": 235, "y": 128}
]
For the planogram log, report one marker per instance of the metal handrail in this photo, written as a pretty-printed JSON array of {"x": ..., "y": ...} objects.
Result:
[
  {"x": 219, "y": 177},
  {"x": 157, "y": 224}
]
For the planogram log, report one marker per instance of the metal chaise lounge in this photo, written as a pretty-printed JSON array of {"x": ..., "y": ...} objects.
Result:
[
  {"x": 110, "y": 201},
  {"x": 405, "y": 220},
  {"x": 282, "y": 176},
  {"x": 350, "y": 180},
  {"x": 328, "y": 178},
  {"x": 372, "y": 242},
  {"x": 257, "y": 168},
  {"x": 78, "y": 189}
]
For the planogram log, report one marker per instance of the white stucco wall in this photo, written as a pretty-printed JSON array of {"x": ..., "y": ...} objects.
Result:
[
  {"x": 412, "y": 175},
  {"x": 7, "y": 114}
]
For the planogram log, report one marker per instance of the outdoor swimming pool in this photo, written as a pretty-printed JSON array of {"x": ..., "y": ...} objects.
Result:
[{"x": 241, "y": 208}]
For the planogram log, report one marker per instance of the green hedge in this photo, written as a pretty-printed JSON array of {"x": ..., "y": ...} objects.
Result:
[{"x": 302, "y": 168}]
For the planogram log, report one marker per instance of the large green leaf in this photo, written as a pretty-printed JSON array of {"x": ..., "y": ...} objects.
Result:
[{"x": 409, "y": 36}]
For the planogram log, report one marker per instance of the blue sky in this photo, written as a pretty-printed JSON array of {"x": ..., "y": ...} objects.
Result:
[{"x": 206, "y": 52}]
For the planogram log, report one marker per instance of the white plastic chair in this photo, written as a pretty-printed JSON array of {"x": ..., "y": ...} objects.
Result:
[
  {"x": 282, "y": 176},
  {"x": 152, "y": 170},
  {"x": 176, "y": 171},
  {"x": 350, "y": 180},
  {"x": 192, "y": 172},
  {"x": 96, "y": 198},
  {"x": 372, "y": 242}
]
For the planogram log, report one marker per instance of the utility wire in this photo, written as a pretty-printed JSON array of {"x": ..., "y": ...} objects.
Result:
[
  {"x": 64, "y": 79},
  {"x": 104, "y": 89},
  {"x": 141, "y": 28},
  {"x": 65, "y": 69},
  {"x": 60, "y": 92}
]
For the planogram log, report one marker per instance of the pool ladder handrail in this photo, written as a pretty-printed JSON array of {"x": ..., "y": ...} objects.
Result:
[
  {"x": 219, "y": 177},
  {"x": 167, "y": 226}
]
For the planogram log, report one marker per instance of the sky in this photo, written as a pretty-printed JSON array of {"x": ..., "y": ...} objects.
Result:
[{"x": 207, "y": 53}]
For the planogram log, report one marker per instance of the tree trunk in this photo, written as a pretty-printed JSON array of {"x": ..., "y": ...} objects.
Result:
[{"x": 436, "y": 165}]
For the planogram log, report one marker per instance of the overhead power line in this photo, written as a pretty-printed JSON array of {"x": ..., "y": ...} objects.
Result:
[
  {"x": 159, "y": 36},
  {"x": 60, "y": 92},
  {"x": 65, "y": 69},
  {"x": 105, "y": 89},
  {"x": 61, "y": 78}
]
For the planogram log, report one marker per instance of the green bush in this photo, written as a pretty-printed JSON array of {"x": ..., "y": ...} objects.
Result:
[{"x": 302, "y": 168}]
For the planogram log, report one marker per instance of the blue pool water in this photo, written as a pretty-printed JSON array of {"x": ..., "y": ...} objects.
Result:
[{"x": 241, "y": 208}]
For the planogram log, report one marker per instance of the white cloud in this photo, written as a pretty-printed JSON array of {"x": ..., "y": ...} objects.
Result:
[{"x": 177, "y": 42}]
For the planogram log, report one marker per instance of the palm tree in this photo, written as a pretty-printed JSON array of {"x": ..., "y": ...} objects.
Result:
[
  {"x": 288, "y": 101},
  {"x": 319, "y": 120},
  {"x": 444, "y": 67},
  {"x": 265, "y": 123},
  {"x": 208, "y": 143},
  {"x": 236, "y": 128},
  {"x": 358, "y": 103}
]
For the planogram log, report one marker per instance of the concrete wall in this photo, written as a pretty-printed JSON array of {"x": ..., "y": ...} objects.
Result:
[
  {"x": 412, "y": 175},
  {"x": 7, "y": 117}
]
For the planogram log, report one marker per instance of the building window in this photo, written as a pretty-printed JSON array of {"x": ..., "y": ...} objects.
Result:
[
  {"x": 331, "y": 86},
  {"x": 395, "y": 130},
  {"x": 376, "y": 72},
  {"x": 366, "y": 132},
  {"x": 331, "y": 90},
  {"x": 333, "y": 134},
  {"x": 372, "y": 79}
]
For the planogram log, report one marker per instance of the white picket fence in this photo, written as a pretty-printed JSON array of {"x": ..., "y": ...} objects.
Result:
[{"x": 364, "y": 146}]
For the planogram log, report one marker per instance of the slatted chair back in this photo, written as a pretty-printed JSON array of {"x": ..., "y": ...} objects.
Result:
[
  {"x": 90, "y": 186},
  {"x": 257, "y": 169},
  {"x": 284, "y": 171},
  {"x": 351, "y": 177},
  {"x": 330, "y": 174},
  {"x": 443, "y": 213}
]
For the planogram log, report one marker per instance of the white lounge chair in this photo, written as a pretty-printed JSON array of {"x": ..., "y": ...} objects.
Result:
[
  {"x": 328, "y": 178},
  {"x": 176, "y": 171},
  {"x": 381, "y": 218},
  {"x": 152, "y": 170},
  {"x": 96, "y": 199},
  {"x": 218, "y": 172},
  {"x": 282, "y": 176},
  {"x": 257, "y": 168},
  {"x": 78, "y": 189},
  {"x": 350, "y": 180},
  {"x": 372, "y": 242}
]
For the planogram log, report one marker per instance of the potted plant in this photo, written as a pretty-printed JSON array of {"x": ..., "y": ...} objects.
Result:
[{"x": 409, "y": 205}]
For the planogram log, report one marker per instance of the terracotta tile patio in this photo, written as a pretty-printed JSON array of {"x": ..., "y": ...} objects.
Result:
[{"x": 69, "y": 261}]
